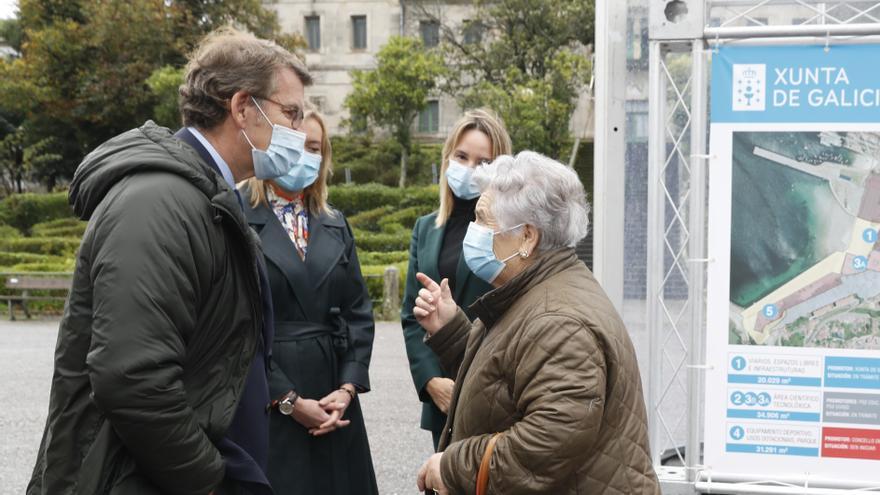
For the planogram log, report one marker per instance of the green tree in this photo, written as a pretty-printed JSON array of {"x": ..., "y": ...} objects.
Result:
[
  {"x": 392, "y": 95},
  {"x": 164, "y": 84},
  {"x": 531, "y": 64},
  {"x": 537, "y": 111},
  {"x": 20, "y": 159},
  {"x": 83, "y": 72},
  {"x": 10, "y": 33}
]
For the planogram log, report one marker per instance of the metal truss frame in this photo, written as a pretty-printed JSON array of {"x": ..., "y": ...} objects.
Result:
[{"x": 677, "y": 217}]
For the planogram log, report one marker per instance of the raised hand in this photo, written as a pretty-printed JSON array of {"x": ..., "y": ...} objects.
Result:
[{"x": 434, "y": 307}]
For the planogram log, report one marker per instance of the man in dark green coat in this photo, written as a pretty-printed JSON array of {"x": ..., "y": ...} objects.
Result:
[{"x": 164, "y": 330}]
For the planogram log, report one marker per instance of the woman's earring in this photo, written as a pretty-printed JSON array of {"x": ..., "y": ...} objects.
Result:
[{"x": 524, "y": 254}]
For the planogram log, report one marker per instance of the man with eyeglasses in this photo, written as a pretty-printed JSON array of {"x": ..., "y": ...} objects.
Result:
[{"x": 160, "y": 382}]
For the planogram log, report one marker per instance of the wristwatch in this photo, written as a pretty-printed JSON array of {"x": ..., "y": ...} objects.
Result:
[{"x": 287, "y": 403}]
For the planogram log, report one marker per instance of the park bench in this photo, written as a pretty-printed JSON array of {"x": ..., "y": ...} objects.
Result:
[
  {"x": 23, "y": 283},
  {"x": 58, "y": 285}
]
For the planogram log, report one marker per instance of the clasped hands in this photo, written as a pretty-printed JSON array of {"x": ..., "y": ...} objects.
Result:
[{"x": 323, "y": 416}]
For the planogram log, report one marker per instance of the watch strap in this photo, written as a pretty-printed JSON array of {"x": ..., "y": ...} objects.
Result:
[{"x": 291, "y": 394}]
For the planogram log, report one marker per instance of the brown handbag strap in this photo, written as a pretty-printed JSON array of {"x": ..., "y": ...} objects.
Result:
[{"x": 483, "y": 474}]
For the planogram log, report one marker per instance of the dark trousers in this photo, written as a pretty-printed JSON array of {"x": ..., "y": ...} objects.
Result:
[{"x": 232, "y": 487}]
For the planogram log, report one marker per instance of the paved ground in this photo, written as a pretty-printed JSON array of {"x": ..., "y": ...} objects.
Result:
[
  {"x": 25, "y": 372},
  {"x": 391, "y": 409}
]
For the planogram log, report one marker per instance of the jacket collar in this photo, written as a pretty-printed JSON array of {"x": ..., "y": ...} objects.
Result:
[
  {"x": 492, "y": 306},
  {"x": 226, "y": 197},
  {"x": 326, "y": 247},
  {"x": 187, "y": 137},
  {"x": 431, "y": 239}
]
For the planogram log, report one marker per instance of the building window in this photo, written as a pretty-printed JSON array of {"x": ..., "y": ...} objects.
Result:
[
  {"x": 429, "y": 118},
  {"x": 430, "y": 31},
  {"x": 359, "y": 32},
  {"x": 637, "y": 39},
  {"x": 473, "y": 32},
  {"x": 313, "y": 32},
  {"x": 637, "y": 120},
  {"x": 319, "y": 102}
]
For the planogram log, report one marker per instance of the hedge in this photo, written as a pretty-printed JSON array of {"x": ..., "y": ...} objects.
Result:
[
  {"x": 389, "y": 258},
  {"x": 421, "y": 196},
  {"x": 394, "y": 229},
  {"x": 63, "y": 227},
  {"x": 22, "y": 211},
  {"x": 374, "y": 277},
  {"x": 66, "y": 266},
  {"x": 369, "y": 220},
  {"x": 8, "y": 232},
  {"x": 8, "y": 259},
  {"x": 382, "y": 242},
  {"x": 56, "y": 246},
  {"x": 351, "y": 199},
  {"x": 406, "y": 217}
]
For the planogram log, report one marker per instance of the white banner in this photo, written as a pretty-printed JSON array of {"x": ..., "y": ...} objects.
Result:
[{"x": 794, "y": 282}]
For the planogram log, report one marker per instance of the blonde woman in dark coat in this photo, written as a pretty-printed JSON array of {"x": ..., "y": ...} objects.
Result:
[{"x": 323, "y": 330}]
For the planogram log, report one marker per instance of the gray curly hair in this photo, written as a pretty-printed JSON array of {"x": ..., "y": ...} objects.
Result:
[
  {"x": 225, "y": 62},
  {"x": 533, "y": 189}
]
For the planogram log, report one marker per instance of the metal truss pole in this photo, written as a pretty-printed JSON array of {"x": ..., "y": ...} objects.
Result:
[
  {"x": 609, "y": 153},
  {"x": 654, "y": 318},
  {"x": 697, "y": 254}
]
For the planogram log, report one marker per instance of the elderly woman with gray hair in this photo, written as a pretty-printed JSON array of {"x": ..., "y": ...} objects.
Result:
[{"x": 547, "y": 397}]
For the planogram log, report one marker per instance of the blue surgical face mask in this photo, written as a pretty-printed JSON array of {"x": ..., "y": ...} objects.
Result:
[
  {"x": 461, "y": 180},
  {"x": 303, "y": 175},
  {"x": 479, "y": 251},
  {"x": 286, "y": 147}
]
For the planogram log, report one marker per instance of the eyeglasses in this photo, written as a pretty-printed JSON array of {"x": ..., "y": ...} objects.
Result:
[{"x": 292, "y": 112}]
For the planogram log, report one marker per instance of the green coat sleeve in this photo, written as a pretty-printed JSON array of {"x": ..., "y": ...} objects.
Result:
[{"x": 423, "y": 363}]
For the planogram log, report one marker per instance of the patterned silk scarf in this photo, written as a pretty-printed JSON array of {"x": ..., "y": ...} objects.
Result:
[{"x": 290, "y": 209}]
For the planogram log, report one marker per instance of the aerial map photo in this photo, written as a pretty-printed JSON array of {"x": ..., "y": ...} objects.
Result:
[{"x": 805, "y": 258}]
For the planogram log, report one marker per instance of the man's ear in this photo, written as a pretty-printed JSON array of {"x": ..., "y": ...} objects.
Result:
[{"x": 239, "y": 105}]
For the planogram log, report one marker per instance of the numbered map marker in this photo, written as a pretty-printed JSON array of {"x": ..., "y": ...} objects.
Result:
[
  {"x": 859, "y": 263},
  {"x": 770, "y": 311},
  {"x": 737, "y": 433},
  {"x": 869, "y": 236},
  {"x": 751, "y": 399}
]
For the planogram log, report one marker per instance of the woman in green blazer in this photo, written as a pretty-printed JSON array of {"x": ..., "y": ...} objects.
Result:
[{"x": 477, "y": 138}]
